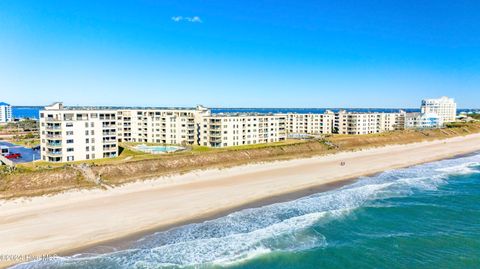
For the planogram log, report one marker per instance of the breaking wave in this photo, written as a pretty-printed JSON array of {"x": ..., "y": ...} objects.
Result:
[{"x": 281, "y": 227}]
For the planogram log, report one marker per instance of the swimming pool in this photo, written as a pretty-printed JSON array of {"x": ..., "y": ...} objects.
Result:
[{"x": 158, "y": 149}]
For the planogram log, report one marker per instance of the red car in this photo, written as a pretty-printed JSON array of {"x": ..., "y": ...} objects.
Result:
[{"x": 13, "y": 156}]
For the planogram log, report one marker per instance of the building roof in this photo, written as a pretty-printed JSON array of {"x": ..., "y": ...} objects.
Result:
[
  {"x": 60, "y": 106},
  {"x": 4, "y": 104},
  {"x": 441, "y": 99},
  {"x": 243, "y": 114}
]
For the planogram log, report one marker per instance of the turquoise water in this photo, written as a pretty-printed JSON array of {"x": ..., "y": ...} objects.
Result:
[
  {"x": 158, "y": 149},
  {"x": 427, "y": 216}
]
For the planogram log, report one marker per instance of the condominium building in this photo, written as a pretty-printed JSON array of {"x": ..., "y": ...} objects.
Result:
[
  {"x": 357, "y": 123},
  {"x": 444, "y": 107},
  {"x": 68, "y": 134},
  {"x": 313, "y": 124},
  {"x": 353, "y": 123},
  {"x": 392, "y": 121},
  {"x": 74, "y": 134},
  {"x": 241, "y": 129},
  {"x": 5, "y": 112},
  {"x": 166, "y": 126}
]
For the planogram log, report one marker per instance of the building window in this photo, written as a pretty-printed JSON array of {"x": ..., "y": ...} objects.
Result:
[
  {"x": 69, "y": 149},
  {"x": 68, "y": 116},
  {"x": 69, "y": 141}
]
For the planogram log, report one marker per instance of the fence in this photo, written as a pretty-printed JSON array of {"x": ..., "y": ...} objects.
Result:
[{"x": 6, "y": 161}]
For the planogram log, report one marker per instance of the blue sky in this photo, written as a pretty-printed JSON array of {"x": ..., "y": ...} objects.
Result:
[{"x": 343, "y": 53}]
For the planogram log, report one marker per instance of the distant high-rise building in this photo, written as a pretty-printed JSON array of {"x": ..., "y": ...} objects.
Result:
[
  {"x": 5, "y": 112},
  {"x": 444, "y": 107}
]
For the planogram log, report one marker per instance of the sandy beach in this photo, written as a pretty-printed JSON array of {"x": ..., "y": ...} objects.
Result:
[{"x": 77, "y": 219}]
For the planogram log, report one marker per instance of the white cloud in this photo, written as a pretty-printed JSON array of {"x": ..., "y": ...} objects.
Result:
[
  {"x": 177, "y": 18},
  {"x": 194, "y": 19}
]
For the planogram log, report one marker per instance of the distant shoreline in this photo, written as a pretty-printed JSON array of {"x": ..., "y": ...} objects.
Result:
[{"x": 80, "y": 219}]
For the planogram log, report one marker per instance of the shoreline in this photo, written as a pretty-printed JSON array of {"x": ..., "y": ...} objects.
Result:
[
  {"x": 124, "y": 242},
  {"x": 60, "y": 224}
]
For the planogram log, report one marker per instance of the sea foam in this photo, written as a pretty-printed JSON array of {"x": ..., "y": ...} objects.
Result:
[{"x": 281, "y": 227}]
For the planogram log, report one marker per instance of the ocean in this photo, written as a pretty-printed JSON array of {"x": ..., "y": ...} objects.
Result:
[
  {"x": 425, "y": 216},
  {"x": 20, "y": 112},
  {"x": 33, "y": 112}
]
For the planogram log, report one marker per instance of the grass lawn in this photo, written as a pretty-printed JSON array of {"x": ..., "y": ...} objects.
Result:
[{"x": 29, "y": 143}]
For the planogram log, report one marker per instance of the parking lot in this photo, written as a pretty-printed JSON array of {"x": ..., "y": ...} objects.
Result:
[{"x": 28, "y": 155}]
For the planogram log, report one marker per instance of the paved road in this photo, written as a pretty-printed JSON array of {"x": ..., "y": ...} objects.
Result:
[{"x": 28, "y": 154}]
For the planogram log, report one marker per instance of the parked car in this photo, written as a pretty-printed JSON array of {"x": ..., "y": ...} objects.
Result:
[
  {"x": 4, "y": 150},
  {"x": 14, "y": 156}
]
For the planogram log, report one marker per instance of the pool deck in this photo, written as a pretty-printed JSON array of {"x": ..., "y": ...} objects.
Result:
[{"x": 158, "y": 149}]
